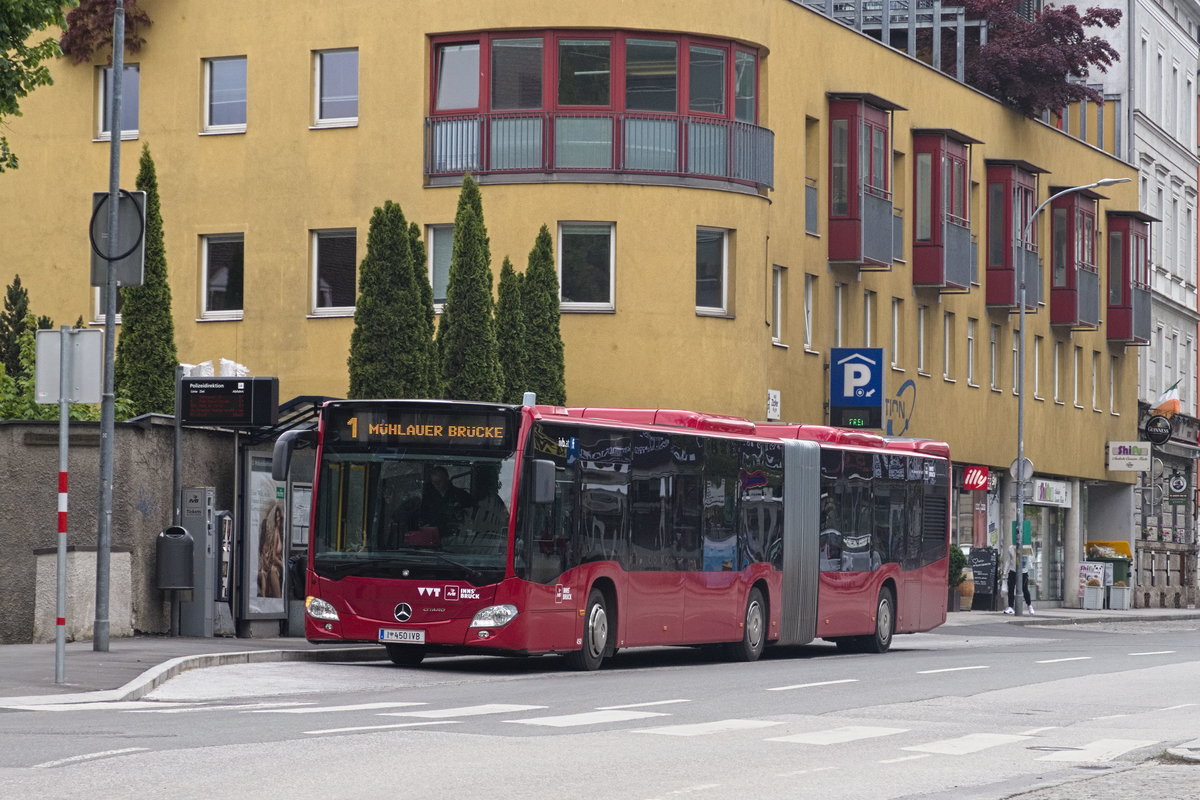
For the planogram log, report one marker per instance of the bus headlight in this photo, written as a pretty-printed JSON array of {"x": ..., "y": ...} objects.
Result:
[
  {"x": 320, "y": 609},
  {"x": 494, "y": 616}
]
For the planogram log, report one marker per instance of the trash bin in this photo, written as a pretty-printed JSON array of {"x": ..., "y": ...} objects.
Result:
[{"x": 173, "y": 559}]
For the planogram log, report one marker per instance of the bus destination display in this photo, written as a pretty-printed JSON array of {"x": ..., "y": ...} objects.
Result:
[{"x": 420, "y": 428}]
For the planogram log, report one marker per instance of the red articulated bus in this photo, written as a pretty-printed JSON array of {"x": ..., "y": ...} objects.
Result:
[{"x": 454, "y": 527}]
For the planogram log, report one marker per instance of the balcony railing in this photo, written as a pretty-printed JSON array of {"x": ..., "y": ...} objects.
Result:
[
  {"x": 959, "y": 255},
  {"x": 878, "y": 228},
  {"x": 1087, "y": 285},
  {"x": 666, "y": 145},
  {"x": 1141, "y": 313},
  {"x": 1033, "y": 279}
]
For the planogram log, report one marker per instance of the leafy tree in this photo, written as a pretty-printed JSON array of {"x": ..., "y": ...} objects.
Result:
[
  {"x": 389, "y": 354},
  {"x": 467, "y": 332},
  {"x": 22, "y": 67},
  {"x": 90, "y": 28},
  {"x": 146, "y": 354},
  {"x": 424, "y": 313},
  {"x": 510, "y": 333},
  {"x": 544, "y": 370},
  {"x": 1029, "y": 64},
  {"x": 13, "y": 322}
]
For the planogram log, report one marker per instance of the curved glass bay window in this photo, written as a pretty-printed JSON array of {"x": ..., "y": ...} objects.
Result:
[
  {"x": 1074, "y": 278},
  {"x": 612, "y": 101},
  {"x": 1129, "y": 277}
]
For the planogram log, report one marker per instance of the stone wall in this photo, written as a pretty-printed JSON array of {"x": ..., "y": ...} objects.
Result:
[{"x": 141, "y": 508}]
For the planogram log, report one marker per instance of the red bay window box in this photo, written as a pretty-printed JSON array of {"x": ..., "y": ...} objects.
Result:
[{"x": 1129, "y": 277}]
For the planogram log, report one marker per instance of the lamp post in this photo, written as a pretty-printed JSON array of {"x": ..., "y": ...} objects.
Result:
[{"x": 1022, "y": 468}]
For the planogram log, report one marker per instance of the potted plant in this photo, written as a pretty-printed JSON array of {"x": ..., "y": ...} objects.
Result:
[
  {"x": 1093, "y": 595},
  {"x": 1118, "y": 596},
  {"x": 955, "y": 578}
]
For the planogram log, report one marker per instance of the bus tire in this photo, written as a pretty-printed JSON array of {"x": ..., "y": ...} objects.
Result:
[
  {"x": 405, "y": 655},
  {"x": 596, "y": 633},
  {"x": 885, "y": 623},
  {"x": 754, "y": 630}
]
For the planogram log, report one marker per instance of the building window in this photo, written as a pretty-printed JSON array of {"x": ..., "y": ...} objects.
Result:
[
  {"x": 98, "y": 304},
  {"x": 336, "y": 87},
  {"x": 1058, "y": 372},
  {"x": 897, "y": 311},
  {"x": 223, "y": 267},
  {"x": 130, "y": 86},
  {"x": 948, "y": 345},
  {"x": 440, "y": 239},
  {"x": 1016, "y": 359},
  {"x": 994, "y": 358},
  {"x": 1095, "y": 380},
  {"x": 971, "y": 330},
  {"x": 225, "y": 95},
  {"x": 585, "y": 257},
  {"x": 860, "y": 179},
  {"x": 1112, "y": 385},
  {"x": 457, "y": 77},
  {"x": 1037, "y": 368},
  {"x": 1077, "y": 358},
  {"x": 839, "y": 305},
  {"x": 1010, "y": 202},
  {"x": 712, "y": 265},
  {"x": 333, "y": 272},
  {"x": 810, "y": 282},
  {"x": 778, "y": 277},
  {"x": 922, "y": 338},
  {"x": 868, "y": 317}
]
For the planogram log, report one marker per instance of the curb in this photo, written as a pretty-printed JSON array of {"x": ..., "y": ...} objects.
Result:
[
  {"x": 154, "y": 677},
  {"x": 1038, "y": 620},
  {"x": 1188, "y": 751}
]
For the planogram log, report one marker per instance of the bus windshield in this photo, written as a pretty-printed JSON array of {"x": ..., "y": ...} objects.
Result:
[{"x": 413, "y": 515}]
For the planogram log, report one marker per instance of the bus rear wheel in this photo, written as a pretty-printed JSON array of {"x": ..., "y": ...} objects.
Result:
[
  {"x": 405, "y": 655},
  {"x": 754, "y": 630},
  {"x": 885, "y": 624},
  {"x": 595, "y": 635}
]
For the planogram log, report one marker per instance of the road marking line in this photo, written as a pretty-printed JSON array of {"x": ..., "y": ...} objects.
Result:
[
  {"x": 904, "y": 758},
  {"x": 1034, "y": 731},
  {"x": 1099, "y": 750},
  {"x": 703, "y": 728},
  {"x": 384, "y": 727},
  {"x": 642, "y": 705},
  {"x": 239, "y": 707},
  {"x": 804, "y": 772},
  {"x": 324, "y": 709},
  {"x": 117, "y": 705},
  {"x": 586, "y": 718},
  {"x": 1154, "y": 653},
  {"x": 962, "y": 745},
  {"x": 464, "y": 711},
  {"x": 1060, "y": 660},
  {"x": 702, "y": 787},
  {"x": 810, "y": 685},
  {"x": 1110, "y": 716},
  {"x": 949, "y": 669},
  {"x": 1176, "y": 708},
  {"x": 849, "y": 733},
  {"x": 88, "y": 757}
]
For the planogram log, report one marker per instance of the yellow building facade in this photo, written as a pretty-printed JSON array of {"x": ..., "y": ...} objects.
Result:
[{"x": 707, "y": 164}]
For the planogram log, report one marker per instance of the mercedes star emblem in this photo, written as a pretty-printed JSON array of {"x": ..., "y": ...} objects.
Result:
[{"x": 403, "y": 612}]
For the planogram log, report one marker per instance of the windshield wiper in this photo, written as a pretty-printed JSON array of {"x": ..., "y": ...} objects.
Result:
[{"x": 474, "y": 573}]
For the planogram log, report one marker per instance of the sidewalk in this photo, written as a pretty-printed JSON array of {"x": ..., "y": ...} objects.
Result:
[{"x": 133, "y": 667}]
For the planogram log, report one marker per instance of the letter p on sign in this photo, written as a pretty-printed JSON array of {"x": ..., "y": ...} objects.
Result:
[{"x": 857, "y": 376}]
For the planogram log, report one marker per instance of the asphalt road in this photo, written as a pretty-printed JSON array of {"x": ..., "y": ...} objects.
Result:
[{"x": 965, "y": 712}]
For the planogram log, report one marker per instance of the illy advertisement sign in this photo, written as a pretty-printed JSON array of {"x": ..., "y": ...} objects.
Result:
[{"x": 1158, "y": 429}]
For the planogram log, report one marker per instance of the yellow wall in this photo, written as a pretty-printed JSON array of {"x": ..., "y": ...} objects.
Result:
[{"x": 280, "y": 180}]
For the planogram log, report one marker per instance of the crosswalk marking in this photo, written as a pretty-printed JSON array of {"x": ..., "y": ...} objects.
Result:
[
  {"x": 948, "y": 669},
  {"x": 382, "y": 727},
  {"x": 850, "y": 733},
  {"x": 703, "y": 728},
  {"x": 971, "y": 743},
  {"x": 1099, "y": 750},
  {"x": 189, "y": 709},
  {"x": 643, "y": 705},
  {"x": 587, "y": 718},
  {"x": 327, "y": 709},
  {"x": 464, "y": 711},
  {"x": 810, "y": 685},
  {"x": 903, "y": 758}
]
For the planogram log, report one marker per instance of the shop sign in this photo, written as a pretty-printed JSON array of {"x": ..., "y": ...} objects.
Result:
[
  {"x": 1051, "y": 493},
  {"x": 1158, "y": 429},
  {"x": 1128, "y": 456},
  {"x": 975, "y": 479},
  {"x": 1177, "y": 486}
]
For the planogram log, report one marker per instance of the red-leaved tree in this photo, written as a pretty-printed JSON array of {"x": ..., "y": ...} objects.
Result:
[
  {"x": 89, "y": 28},
  {"x": 1029, "y": 64}
]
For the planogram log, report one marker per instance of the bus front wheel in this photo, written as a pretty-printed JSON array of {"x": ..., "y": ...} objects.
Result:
[
  {"x": 405, "y": 655},
  {"x": 754, "y": 630},
  {"x": 885, "y": 623},
  {"x": 595, "y": 635}
]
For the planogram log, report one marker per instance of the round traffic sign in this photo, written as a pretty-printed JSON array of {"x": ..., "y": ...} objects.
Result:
[{"x": 1026, "y": 469}]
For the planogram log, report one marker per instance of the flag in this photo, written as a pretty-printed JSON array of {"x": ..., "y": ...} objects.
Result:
[{"x": 1168, "y": 402}]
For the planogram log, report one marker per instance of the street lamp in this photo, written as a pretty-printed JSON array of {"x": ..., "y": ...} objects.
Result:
[{"x": 1022, "y": 468}]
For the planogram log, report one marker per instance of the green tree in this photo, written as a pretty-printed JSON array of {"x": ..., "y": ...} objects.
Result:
[
  {"x": 389, "y": 353},
  {"x": 467, "y": 332},
  {"x": 13, "y": 322},
  {"x": 146, "y": 356},
  {"x": 545, "y": 369},
  {"x": 424, "y": 312},
  {"x": 22, "y": 67},
  {"x": 510, "y": 333}
]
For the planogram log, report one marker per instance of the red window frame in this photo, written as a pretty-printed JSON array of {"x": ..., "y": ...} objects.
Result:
[
  {"x": 1079, "y": 238},
  {"x": 945, "y": 187},
  {"x": 1019, "y": 191},
  {"x": 861, "y": 117}
]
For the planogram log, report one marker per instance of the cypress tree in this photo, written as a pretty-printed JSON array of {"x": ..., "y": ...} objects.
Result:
[
  {"x": 144, "y": 370},
  {"x": 510, "y": 333},
  {"x": 544, "y": 371},
  {"x": 424, "y": 312},
  {"x": 387, "y": 355},
  {"x": 14, "y": 321},
  {"x": 467, "y": 332}
]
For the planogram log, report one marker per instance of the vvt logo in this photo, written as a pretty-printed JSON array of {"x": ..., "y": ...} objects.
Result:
[{"x": 429, "y": 591}]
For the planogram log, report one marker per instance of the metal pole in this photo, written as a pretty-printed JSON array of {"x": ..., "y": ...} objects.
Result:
[
  {"x": 64, "y": 422},
  {"x": 1019, "y": 495},
  {"x": 107, "y": 410},
  {"x": 177, "y": 466}
]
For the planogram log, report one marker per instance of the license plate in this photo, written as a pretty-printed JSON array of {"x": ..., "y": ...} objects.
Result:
[{"x": 396, "y": 635}]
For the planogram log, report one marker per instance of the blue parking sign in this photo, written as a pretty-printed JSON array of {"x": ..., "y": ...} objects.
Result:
[{"x": 856, "y": 387}]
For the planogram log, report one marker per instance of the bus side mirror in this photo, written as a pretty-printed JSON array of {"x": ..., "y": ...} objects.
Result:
[
  {"x": 281, "y": 456},
  {"x": 543, "y": 481}
]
